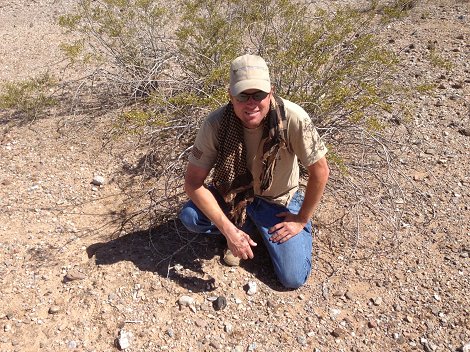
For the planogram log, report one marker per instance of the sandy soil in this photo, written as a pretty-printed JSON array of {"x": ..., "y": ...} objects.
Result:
[{"x": 72, "y": 279}]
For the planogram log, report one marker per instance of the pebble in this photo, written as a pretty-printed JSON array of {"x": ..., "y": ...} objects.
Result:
[
  {"x": 466, "y": 347},
  {"x": 54, "y": 310},
  {"x": 200, "y": 323},
  {"x": 72, "y": 345},
  {"x": 124, "y": 339},
  {"x": 73, "y": 275},
  {"x": 334, "y": 312},
  {"x": 216, "y": 345},
  {"x": 228, "y": 328},
  {"x": 409, "y": 319},
  {"x": 220, "y": 303},
  {"x": 338, "y": 333},
  {"x": 465, "y": 132},
  {"x": 7, "y": 327},
  {"x": 271, "y": 304},
  {"x": 377, "y": 301},
  {"x": 186, "y": 301},
  {"x": 420, "y": 176},
  {"x": 252, "y": 347},
  {"x": 98, "y": 180},
  {"x": 302, "y": 340},
  {"x": 252, "y": 288},
  {"x": 372, "y": 324}
]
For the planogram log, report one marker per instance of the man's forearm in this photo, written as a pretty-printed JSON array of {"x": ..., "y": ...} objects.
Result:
[{"x": 206, "y": 202}]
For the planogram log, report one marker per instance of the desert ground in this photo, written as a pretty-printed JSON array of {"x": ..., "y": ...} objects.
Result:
[{"x": 74, "y": 279}]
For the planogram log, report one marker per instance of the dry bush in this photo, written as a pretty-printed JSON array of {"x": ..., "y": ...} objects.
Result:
[{"x": 331, "y": 63}]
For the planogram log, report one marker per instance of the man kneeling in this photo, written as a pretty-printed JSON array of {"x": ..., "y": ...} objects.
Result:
[{"x": 253, "y": 143}]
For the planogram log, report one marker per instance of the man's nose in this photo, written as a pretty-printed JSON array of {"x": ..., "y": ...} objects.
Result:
[{"x": 251, "y": 100}]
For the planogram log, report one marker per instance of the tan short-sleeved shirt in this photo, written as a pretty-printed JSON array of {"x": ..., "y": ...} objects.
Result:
[{"x": 304, "y": 145}]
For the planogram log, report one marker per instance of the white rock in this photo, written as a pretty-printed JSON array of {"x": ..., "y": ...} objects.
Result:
[
  {"x": 186, "y": 301},
  {"x": 252, "y": 288},
  {"x": 466, "y": 347},
  {"x": 98, "y": 180},
  {"x": 125, "y": 338},
  {"x": 228, "y": 327}
]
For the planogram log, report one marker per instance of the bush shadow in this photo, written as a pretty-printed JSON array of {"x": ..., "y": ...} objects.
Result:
[{"x": 174, "y": 253}]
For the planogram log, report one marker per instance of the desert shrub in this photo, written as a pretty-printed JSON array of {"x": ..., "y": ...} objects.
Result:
[
  {"x": 124, "y": 39},
  {"x": 29, "y": 99},
  {"x": 330, "y": 62},
  {"x": 392, "y": 10}
]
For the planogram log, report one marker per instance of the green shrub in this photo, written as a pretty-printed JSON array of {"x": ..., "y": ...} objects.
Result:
[
  {"x": 125, "y": 39},
  {"x": 330, "y": 62},
  {"x": 30, "y": 98}
]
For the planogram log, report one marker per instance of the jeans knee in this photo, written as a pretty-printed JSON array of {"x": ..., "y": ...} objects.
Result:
[
  {"x": 292, "y": 281},
  {"x": 294, "y": 277},
  {"x": 188, "y": 218}
]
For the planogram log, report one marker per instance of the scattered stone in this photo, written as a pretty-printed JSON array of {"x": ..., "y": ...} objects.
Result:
[
  {"x": 338, "y": 333},
  {"x": 334, "y": 312},
  {"x": 302, "y": 340},
  {"x": 252, "y": 288},
  {"x": 252, "y": 347},
  {"x": 98, "y": 180},
  {"x": 372, "y": 324},
  {"x": 6, "y": 182},
  {"x": 420, "y": 176},
  {"x": 428, "y": 346},
  {"x": 466, "y": 347},
  {"x": 377, "y": 301},
  {"x": 409, "y": 319},
  {"x": 73, "y": 275},
  {"x": 271, "y": 304},
  {"x": 186, "y": 301},
  {"x": 200, "y": 323},
  {"x": 457, "y": 85},
  {"x": 465, "y": 132},
  {"x": 228, "y": 328},
  {"x": 220, "y": 303},
  {"x": 124, "y": 339},
  {"x": 170, "y": 332},
  {"x": 349, "y": 295},
  {"x": 54, "y": 310},
  {"x": 216, "y": 345},
  {"x": 72, "y": 345},
  {"x": 7, "y": 327},
  {"x": 430, "y": 151}
]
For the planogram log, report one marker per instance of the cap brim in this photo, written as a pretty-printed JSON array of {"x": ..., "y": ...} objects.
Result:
[{"x": 247, "y": 84}]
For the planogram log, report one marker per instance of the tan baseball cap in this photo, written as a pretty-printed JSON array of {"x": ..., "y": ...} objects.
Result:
[{"x": 249, "y": 72}]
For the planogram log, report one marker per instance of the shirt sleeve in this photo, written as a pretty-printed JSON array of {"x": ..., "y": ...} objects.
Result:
[
  {"x": 204, "y": 151},
  {"x": 304, "y": 139}
]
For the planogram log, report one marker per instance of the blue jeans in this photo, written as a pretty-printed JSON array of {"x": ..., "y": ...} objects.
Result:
[{"x": 292, "y": 260}]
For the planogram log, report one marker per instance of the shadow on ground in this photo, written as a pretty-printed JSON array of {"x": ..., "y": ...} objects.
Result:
[{"x": 176, "y": 254}]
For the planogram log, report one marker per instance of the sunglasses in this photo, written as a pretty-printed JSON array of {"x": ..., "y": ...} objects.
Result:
[{"x": 258, "y": 96}]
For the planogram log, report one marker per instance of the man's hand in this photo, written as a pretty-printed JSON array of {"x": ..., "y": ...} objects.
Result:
[
  {"x": 240, "y": 244},
  {"x": 291, "y": 226}
]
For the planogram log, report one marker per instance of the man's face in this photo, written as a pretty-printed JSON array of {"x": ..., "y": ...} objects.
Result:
[{"x": 251, "y": 112}]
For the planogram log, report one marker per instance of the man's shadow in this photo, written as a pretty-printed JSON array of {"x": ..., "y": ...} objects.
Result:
[{"x": 172, "y": 252}]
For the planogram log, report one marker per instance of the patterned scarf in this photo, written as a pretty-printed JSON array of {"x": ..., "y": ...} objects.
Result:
[{"x": 231, "y": 177}]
